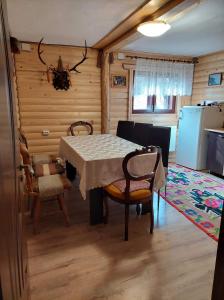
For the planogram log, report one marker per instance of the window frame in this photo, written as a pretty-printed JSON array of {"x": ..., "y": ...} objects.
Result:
[{"x": 151, "y": 101}]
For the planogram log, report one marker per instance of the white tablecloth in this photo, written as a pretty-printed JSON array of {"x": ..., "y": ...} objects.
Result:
[{"x": 98, "y": 160}]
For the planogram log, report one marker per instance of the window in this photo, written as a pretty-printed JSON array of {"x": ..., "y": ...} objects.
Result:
[
  {"x": 143, "y": 101},
  {"x": 158, "y": 82},
  {"x": 154, "y": 104}
]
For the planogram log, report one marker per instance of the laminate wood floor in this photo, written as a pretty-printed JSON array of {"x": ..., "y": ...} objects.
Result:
[{"x": 84, "y": 262}]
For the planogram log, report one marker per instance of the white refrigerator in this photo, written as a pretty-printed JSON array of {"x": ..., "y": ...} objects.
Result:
[{"x": 191, "y": 148}]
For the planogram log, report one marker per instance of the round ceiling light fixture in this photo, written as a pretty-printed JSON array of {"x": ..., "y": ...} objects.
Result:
[{"x": 153, "y": 28}]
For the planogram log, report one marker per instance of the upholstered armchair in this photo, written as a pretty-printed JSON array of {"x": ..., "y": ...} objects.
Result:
[
  {"x": 43, "y": 164},
  {"x": 42, "y": 188}
]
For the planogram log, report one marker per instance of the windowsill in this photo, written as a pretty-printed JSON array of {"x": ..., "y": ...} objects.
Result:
[{"x": 153, "y": 113}]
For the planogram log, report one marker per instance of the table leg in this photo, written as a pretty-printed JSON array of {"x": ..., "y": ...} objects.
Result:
[
  {"x": 146, "y": 208},
  {"x": 96, "y": 206},
  {"x": 70, "y": 171}
]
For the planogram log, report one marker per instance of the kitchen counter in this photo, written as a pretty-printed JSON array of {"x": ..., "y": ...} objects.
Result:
[
  {"x": 217, "y": 130},
  {"x": 215, "y": 152}
]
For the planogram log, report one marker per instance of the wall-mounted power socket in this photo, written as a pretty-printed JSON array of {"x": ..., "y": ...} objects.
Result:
[
  {"x": 121, "y": 56},
  {"x": 25, "y": 47},
  {"x": 45, "y": 132}
]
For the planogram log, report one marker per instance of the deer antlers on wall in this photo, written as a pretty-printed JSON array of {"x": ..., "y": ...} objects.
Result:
[{"x": 61, "y": 75}]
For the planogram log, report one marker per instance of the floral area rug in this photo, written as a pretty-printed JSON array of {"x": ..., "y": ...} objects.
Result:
[{"x": 198, "y": 196}]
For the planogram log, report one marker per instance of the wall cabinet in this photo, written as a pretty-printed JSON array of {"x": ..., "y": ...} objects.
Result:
[{"x": 215, "y": 155}]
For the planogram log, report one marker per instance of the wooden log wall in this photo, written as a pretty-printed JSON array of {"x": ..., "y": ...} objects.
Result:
[
  {"x": 42, "y": 107},
  {"x": 208, "y": 64},
  {"x": 119, "y": 100}
]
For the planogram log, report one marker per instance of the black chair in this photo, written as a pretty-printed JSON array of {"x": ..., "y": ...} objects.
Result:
[
  {"x": 141, "y": 132},
  {"x": 160, "y": 136},
  {"x": 125, "y": 130}
]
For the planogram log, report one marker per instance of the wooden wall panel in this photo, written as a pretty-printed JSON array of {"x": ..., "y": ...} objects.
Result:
[
  {"x": 42, "y": 107},
  {"x": 212, "y": 63}
]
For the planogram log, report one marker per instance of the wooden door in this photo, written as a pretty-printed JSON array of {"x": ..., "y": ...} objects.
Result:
[
  {"x": 218, "y": 285},
  {"x": 13, "y": 255}
]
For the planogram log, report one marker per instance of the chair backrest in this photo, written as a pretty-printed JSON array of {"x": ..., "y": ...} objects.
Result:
[
  {"x": 151, "y": 174},
  {"x": 140, "y": 133},
  {"x": 85, "y": 124},
  {"x": 125, "y": 129},
  {"x": 22, "y": 137},
  {"x": 27, "y": 166},
  {"x": 160, "y": 136}
]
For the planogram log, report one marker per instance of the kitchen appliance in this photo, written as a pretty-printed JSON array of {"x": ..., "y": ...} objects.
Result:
[{"x": 192, "y": 141}]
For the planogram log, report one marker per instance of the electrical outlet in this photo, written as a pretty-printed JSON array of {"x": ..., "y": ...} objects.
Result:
[
  {"x": 45, "y": 132},
  {"x": 25, "y": 47},
  {"x": 121, "y": 56}
]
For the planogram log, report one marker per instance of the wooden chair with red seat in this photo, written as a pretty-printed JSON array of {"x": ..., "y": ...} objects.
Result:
[
  {"x": 42, "y": 188},
  {"x": 132, "y": 190},
  {"x": 85, "y": 124}
]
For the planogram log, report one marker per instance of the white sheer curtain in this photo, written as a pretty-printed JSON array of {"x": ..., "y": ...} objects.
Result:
[{"x": 162, "y": 79}]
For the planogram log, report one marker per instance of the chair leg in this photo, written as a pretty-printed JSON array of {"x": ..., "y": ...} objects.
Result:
[
  {"x": 138, "y": 209},
  {"x": 63, "y": 207},
  {"x": 151, "y": 216},
  {"x": 36, "y": 214},
  {"x": 32, "y": 206},
  {"x": 106, "y": 209},
  {"x": 126, "y": 221},
  {"x": 59, "y": 203}
]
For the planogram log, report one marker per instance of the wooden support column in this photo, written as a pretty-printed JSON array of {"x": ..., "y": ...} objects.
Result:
[
  {"x": 130, "y": 89},
  {"x": 105, "y": 93}
]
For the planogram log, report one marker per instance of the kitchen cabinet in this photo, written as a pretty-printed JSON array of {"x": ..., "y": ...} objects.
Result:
[{"x": 215, "y": 154}]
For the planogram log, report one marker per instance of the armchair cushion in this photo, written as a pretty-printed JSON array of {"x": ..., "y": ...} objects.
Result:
[
  {"x": 139, "y": 190},
  {"x": 48, "y": 169},
  {"x": 51, "y": 185},
  {"x": 44, "y": 158}
]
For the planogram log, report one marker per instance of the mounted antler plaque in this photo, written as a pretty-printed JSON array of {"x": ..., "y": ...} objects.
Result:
[{"x": 61, "y": 75}]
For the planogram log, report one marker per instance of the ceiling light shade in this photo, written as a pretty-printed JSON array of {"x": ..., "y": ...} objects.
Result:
[{"x": 153, "y": 28}]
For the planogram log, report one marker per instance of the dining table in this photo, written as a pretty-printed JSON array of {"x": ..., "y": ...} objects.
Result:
[{"x": 98, "y": 162}]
